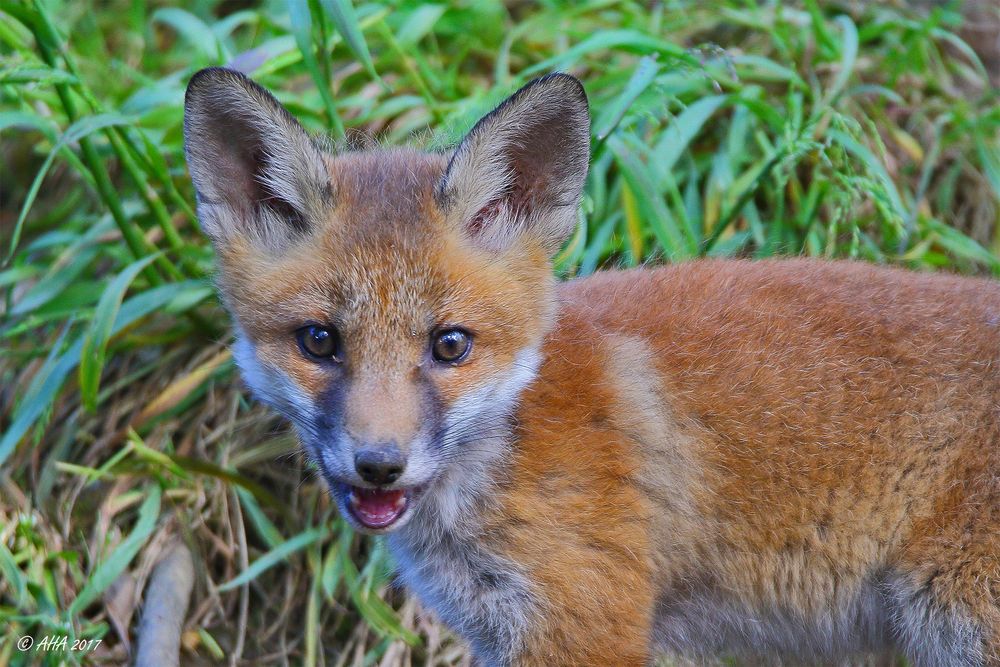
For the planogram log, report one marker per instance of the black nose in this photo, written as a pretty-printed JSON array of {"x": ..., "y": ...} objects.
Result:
[{"x": 379, "y": 465}]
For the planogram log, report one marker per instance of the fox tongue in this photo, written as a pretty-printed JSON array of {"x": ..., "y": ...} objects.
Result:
[{"x": 377, "y": 508}]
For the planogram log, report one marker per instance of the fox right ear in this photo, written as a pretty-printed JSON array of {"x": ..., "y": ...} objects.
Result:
[
  {"x": 520, "y": 170},
  {"x": 256, "y": 172}
]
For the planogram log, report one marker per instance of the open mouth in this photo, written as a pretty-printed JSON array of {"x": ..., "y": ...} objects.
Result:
[{"x": 377, "y": 508}]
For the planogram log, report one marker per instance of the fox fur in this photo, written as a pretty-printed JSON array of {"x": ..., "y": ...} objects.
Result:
[{"x": 790, "y": 461}]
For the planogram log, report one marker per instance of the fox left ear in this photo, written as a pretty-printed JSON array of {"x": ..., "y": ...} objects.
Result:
[
  {"x": 521, "y": 169},
  {"x": 257, "y": 174}
]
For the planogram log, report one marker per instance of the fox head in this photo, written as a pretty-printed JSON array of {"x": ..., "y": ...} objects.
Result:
[{"x": 390, "y": 303}]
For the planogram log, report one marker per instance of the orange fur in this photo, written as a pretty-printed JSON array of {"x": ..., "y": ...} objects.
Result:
[{"x": 840, "y": 418}]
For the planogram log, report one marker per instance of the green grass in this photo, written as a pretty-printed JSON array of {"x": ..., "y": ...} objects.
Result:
[{"x": 720, "y": 128}]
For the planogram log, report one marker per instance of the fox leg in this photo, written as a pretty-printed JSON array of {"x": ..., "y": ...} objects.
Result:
[
  {"x": 596, "y": 601},
  {"x": 946, "y": 602},
  {"x": 933, "y": 632},
  {"x": 597, "y": 613},
  {"x": 600, "y": 649}
]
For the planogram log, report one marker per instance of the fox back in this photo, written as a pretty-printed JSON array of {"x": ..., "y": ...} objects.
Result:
[{"x": 784, "y": 460}]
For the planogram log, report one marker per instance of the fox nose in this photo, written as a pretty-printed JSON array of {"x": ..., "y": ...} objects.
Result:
[{"x": 379, "y": 465}]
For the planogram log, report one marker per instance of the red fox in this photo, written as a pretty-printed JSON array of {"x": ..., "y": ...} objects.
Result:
[{"x": 781, "y": 461}]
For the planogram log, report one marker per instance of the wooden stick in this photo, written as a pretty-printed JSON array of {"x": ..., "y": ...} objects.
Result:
[{"x": 167, "y": 596}]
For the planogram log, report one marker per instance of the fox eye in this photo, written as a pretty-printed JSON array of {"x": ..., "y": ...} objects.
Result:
[
  {"x": 319, "y": 342},
  {"x": 450, "y": 346}
]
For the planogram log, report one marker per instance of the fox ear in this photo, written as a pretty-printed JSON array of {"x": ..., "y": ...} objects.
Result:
[
  {"x": 256, "y": 172},
  {"x": 521, "y": 169}
]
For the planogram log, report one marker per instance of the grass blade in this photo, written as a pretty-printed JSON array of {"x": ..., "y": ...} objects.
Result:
[
  {"x": 193, "y": 30},
  {"x": 264, "y": 527},
  {"x": 75, "y": 132},
  {"x": 341, "y": 12},
  {"x": 110, "y": 569},
  {"x": 302, "y": 27},
  {"x": 676, "y": 244},
  {"x": 614, "y": 112},
  {"x": 848, "y": 57},
  {"x": 679, "y": 134},
  {"x": 12, "y": 573},
  {"x": 95, "y": 343},
  {"x": 277, "y": 555}
]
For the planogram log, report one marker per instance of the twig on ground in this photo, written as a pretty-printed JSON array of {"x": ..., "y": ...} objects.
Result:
[{"x": 166, "y": 603}]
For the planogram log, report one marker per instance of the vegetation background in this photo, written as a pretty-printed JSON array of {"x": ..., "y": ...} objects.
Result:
[{"x": 721, "y": 127}]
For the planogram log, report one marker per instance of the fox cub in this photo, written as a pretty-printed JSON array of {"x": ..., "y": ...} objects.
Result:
[{"x": 781, "y": 461}]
